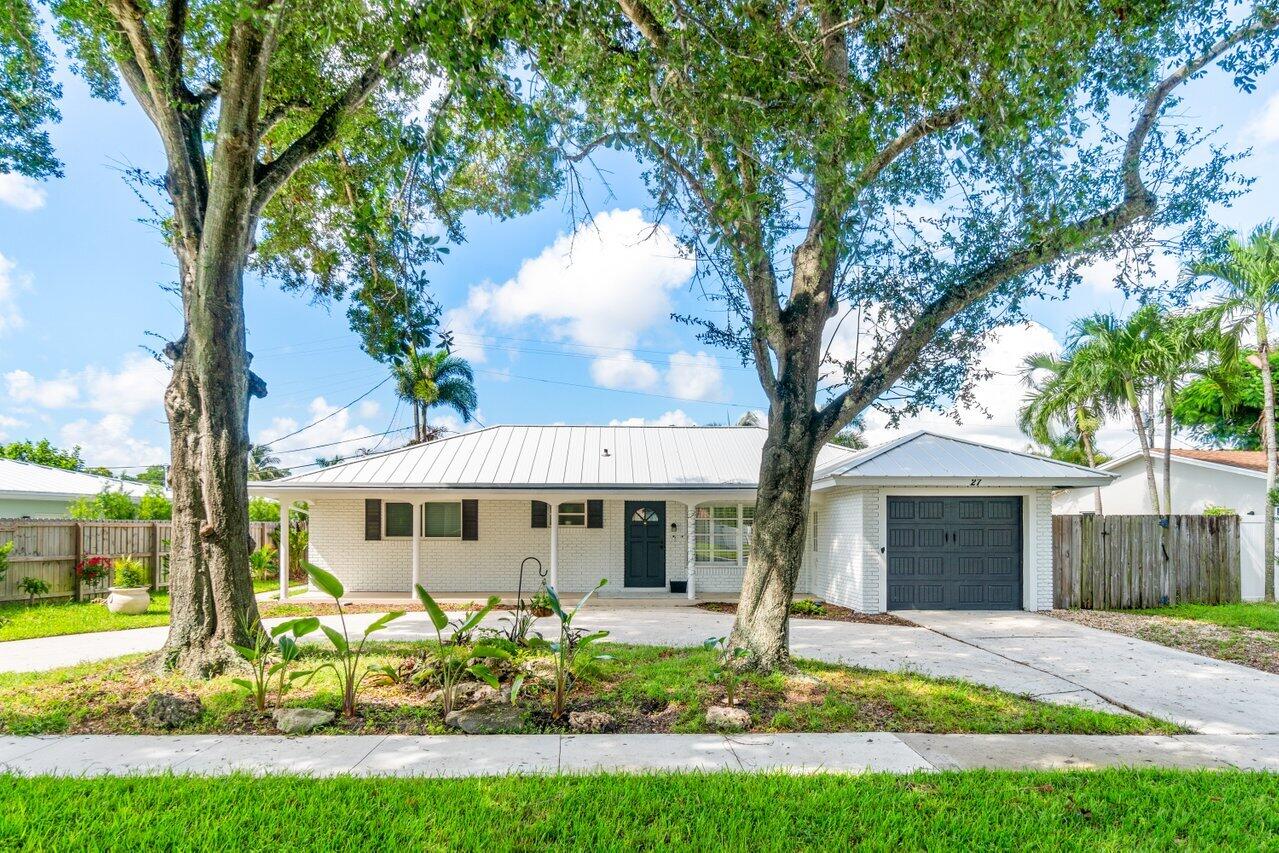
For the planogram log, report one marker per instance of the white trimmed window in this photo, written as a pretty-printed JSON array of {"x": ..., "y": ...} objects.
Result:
[
  {"x": 572, "y": 515},
  {"x": 722, "y": 534},
  {"x": 442, "y": 520},
  {"x": 399, "y": 520}
]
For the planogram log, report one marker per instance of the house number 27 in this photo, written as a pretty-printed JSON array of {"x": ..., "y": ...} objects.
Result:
[{"x": 976, "y": 481}]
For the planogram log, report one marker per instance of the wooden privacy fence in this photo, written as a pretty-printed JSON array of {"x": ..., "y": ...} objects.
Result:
[
  {"x": 50, "y": 549},
  {"x": 1121, "y": 561}
]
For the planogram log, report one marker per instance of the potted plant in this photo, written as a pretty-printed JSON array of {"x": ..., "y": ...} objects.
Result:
[
  {"x": 130, "y": 594},
  {"x": 540, "y": 605}
]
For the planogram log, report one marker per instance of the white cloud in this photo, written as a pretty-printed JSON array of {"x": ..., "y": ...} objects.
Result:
[
  {"x": 368, "y": 409},
  {"x": 110, "y": 442},
  {"x": 136, "y": 386},
  {"x": 1000, "y": 395},
  {"x": 20, "y": 191},
  {"x": 676, "y": 417},
  {"x": 1264, "y": 127},
  {"x": 695, "y": 377},
  {"x": 10, "y": 284},
  {"x": 6, "y": 424},
  {"x": 1100, "y": 275},
  {"x": 603, "y": 285},
  {"x": 623, "y": 370},
  {"x": 46, "y": 393},
  {"x": 340, "y": 435}
]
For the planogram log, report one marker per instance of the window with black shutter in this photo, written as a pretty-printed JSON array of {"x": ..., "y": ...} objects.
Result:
[
  {"x": 470, "y": 520},
  {"x": 372, "y": 519},
  {"x": 595, "y": 514},
  {"x": 539, "y": 514}
]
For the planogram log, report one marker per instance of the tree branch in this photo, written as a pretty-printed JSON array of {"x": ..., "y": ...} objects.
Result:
[
  {"x": 926, "y": 126},
  {"x": 1074, "y": 239}
]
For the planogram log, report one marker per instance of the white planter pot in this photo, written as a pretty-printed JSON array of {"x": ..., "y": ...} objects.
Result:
[{"x": 128, "y": 600}]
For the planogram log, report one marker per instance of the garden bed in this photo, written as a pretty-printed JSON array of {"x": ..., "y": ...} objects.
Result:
[
  {"x": 1233, "y": 643},
  {"x": 827, "y": 611},
  {"x": 641, "y": 688}
]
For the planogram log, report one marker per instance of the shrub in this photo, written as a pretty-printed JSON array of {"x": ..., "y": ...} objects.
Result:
[
  {"x": 807, "y": 607},
  {"x": 106, "y": 505},
  {"x": 270, "y": 656},
  {"x": 568, "y": 647},
  {"x": 452, "y": 659},
  {"x": 1219, "y": 511},
  {"x": 265, "y": 562},
  {"x": 130, "y": 573},
  {"x": 33, "y": 587},
  {"x": 5, "y": 550},
  {"x": 91, "y": 570},
  {"x": 154, "y": 506},
  {"x": 263, "y": 509}
]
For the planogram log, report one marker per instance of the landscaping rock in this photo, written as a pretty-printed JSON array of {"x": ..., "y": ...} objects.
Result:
[
  {"x": 590, "y": 721},
  {"x": 487, "y": 719},
  {"x": 725, "y": 717},
  {"x": 166, "y": 711},
  {"x": 542, "y": 669},
  {"x": 296, "y": 721},
  {"x": 483, "y": 695}
]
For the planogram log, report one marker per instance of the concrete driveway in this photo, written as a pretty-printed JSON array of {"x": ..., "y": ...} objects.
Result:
[
  {"x": 1203, "y": 694},
  {"x": 1023, "y": 653}
]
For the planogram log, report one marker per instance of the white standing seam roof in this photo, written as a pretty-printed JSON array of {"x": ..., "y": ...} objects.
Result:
[
  {"x": 597, "y": 457},
  {"x": 665, "y": 457},
  {"x": 928, "y": 456},
  {"x": 29, "y": 480}
]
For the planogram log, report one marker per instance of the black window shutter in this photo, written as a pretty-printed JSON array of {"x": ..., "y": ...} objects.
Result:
[
  {"x": 594, "y": 513},
  {"x": 372, "y": 519},
  {"x": 470, "y": 520},
  {"x": 539, "y": 514}
]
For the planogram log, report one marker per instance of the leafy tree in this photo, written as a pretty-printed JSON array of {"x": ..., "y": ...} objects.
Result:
[
  {"x": 851, "y": 437},
  {"x": 154, "y": 506},
  {"x": 284, "y": 129},
  {"x": 263, "y": 509},
  {"x": 156, "y": 475},
  {"x": 105, "y": 505},
  {"x": 426, "y": 380},
  {"x": 1248, "y": 278},
  {"x": 1062, "y": 411},
  {"x": 1223, "y": 407},
  {"x": 40, "y": 452},
  {"x": 264, "y": 465},
  {"x": 926, "y": 167}
]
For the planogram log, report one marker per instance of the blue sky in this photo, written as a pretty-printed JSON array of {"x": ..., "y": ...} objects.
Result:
[{"x": 561, "y": 326}]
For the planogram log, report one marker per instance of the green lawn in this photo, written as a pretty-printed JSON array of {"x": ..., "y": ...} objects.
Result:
[
  {"x": 20, "y": 622},
  {"x": 645, "y": 689},
  {"x": 1110, "y": 810},
  {"x": 1262, "y": 617}
]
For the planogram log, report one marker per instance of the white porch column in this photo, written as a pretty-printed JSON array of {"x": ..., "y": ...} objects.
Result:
[
  {"x": 688, "y": 534},
  {"x": 285, "y": 504},
  {"x": 417, "y": 545},
  {"x": 553, "y": 514}
]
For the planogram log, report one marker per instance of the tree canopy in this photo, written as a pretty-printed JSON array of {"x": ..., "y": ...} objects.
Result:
[
  {"x": 43, "y": 452},
  {"x": 1224, "y": 411}
]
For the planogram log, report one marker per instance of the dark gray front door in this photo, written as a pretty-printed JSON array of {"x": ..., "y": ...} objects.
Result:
[
  {"x": 954, "y": 553},
  {"x": 645, "y": 543}
]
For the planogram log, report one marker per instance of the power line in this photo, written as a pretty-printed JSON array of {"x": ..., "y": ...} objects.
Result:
[
  {"x": 385, "y": 380},
  {"x": 615, "y": 390}
]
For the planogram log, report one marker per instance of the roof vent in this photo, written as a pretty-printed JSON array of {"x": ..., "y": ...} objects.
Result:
[{"x": 606, "y": 453}]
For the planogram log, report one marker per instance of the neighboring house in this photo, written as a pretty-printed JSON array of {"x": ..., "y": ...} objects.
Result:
[
  {"x": 924, "y": 521},
  {"x": 28, "y": 490},
  {"x": 1235, "y": 479},
  {"x": 1231, "y": 479}
]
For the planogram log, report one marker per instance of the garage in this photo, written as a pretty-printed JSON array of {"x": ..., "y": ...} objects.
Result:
[{"x": 954, "y": 553}]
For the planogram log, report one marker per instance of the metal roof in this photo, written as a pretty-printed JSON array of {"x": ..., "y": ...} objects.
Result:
[
  {"x": 642, "y": 457},
  {"x": 27, "y": 479},
  {"x": 667, "y": 457},
  {"x": 930, "y": 457}
]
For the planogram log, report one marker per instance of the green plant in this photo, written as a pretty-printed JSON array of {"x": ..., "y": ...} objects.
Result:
[
  {"x": 154, "y": 506},
  {"x": 270, "y": 656},
  {"x": 540, "y": 603},
  {"x": 347, "y": 668},
  {"x": 1219, "y": 511},
  {"x": 5, "y": 550},
  {"x": 107, "y": 504},
  {"x": 569, "y": 646},
  {"x": 452, "y": 661},
  {"x": 33, "y": 587},
  {"x": 807, "y": 607},
  {"x": 726, "y": 671},
  {"x": 130, "y": 573},
  {"x": 264, "y": 562}
]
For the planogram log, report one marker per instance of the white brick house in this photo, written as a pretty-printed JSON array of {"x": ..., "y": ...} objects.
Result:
[{"x": 924, "y": 521}]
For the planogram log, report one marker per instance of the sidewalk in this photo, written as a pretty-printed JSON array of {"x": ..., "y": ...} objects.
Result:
[{"x": 459, "y": 755}]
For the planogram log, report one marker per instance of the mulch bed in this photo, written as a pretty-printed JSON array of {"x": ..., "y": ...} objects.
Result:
[
  {"x": 831, "y": 613},
  {"x": 1246, "y": 646}
]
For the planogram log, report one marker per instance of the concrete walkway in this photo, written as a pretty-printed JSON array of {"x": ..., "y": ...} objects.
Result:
[{"x": 459, "y": 755}]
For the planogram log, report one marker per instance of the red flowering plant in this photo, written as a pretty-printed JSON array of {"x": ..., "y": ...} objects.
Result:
[{"x": 91, "y": 570}]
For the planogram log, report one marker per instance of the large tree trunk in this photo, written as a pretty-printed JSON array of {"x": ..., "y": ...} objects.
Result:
[{"x": 1269, "y": 443}]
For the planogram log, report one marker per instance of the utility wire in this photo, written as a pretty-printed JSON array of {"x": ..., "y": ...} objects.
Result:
[{"x": 330, "y": 414}]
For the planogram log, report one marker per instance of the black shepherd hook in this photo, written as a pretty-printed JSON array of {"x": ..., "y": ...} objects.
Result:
[{"x": 519, "y": 586}]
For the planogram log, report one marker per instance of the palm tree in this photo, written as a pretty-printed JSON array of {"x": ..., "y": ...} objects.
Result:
[
  {"x": 1116, "y": 358},
  {"x": 263, "y": 464},
  {"x": 1248, "y": 278},
  {"x": 425, "y": 380},
  {"x": 1060, "y": 398}
]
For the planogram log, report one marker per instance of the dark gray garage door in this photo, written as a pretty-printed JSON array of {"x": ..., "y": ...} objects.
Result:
[{"x": 960, "y": 553}]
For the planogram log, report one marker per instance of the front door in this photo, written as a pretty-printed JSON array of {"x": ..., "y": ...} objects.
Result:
[{"x": 645, "y": 543}]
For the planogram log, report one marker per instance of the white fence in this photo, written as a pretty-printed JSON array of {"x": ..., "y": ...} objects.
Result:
[{"x": 1252, "y": 557}]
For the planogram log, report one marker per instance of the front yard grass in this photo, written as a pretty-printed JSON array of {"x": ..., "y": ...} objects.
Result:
[
  {"x": 1226, "y": 631},
  {"x": 1103, "y": 810},
  {"x": 644, "y": 688},
  {"x": 1258, "y": 616},
  {"x": 56, "y": 619}
]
